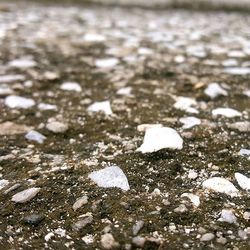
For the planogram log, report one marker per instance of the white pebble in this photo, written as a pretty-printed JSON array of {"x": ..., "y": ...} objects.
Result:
[
  {"x": 71, "y": 86},
  {"x": 46, "y": 106},
  {"x": 93, "y": 37},
  {"x": 106, "y": 63},
  {"x": 80, "y": 202},
  {"x": 25, "y": 195},
  {"x": 221, "y": 185},
  {"x": 227, "y": 112},
  {"x": 13, "y": 101},
  {"x": 243, "y": 181},
  {"x": 207, "y": 237},
  {"x": 108, "y": 241},
  {"x": 244, "y": 152},
  {"x": 237, "y": 71},
  {"x": 22, "y": 63},
  {"x": 214, "y": 90},
  {"x": 189, "y": 122},
  {"x": 124, "y": 91},
  {"x": 104, "y": 107},
  {"x": 157, "y": 138},
  {"x": 228, "y": 216},
  {"x": 195, "y": 199},
  {"x": 186, "y": 104},
  {"x": 110, "y": 177},
  {"x": 35, "y": 136},
  {"x": 3, "y": 183},
  {"x": 57, "y": 127}
]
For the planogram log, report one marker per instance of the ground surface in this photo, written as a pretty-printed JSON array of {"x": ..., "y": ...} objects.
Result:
[{"x": 162, "y": 55}]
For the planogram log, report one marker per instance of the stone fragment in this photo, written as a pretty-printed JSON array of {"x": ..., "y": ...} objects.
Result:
[
  {"x": 227, "y": 112},
  {"x": 11, "y": 128},
  {"x": 71, "y": 86},
  {"x": 46, "y": 106},
  {"x": 104, "y": 107},
  {"x": 186, "y": 104},
  {"x": 25, "y": 195},
  {"x": 108, "y": 241},
  {"x": 144, "y": 127},
  {"x": 189, "y": 122},
  {"x": 214, "y": 90},
  {"x": 106, "y": 63},
  {"x": 3, "y": 183},
  {"x": 110, "y": 177},
  {"x": 33, "y": 219},
  {"x": 228, "y": 216},
  {"x": 35, "y": 136},
  {"x": 195, "y": 199},
  {"x": 22, "y": 63},
  {"x": 82, "y": 223},
  {"x": 240, "y": 126},
  {"x": 207, "y": 237},
  {"x": 13, "y": 101},
  {"x": 57, "y": 127},
  {"x": 80, "y": 202},
  {"x": 137, "y": 227},
  {"x": 139, "y": 241},
  {"x": 243, "y": 181},
  {"x": 158, "y": 138}
]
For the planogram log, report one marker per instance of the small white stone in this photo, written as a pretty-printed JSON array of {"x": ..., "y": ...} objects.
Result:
[
  {"x": 214, "y": 90},
  {"x": 243, "y": 181},
  {"x": 237, "y": 71},
  {"x": 5, "y": 90},
  {"x": 108, "y": 241},
  {"x": 181, "y": 209},
  {"x": 88, "y": 239},
  {"x": 195, "y": 199},
  {"x": 48, "y": 236},
  {"x": 110, "y": 177},
  {"x": 145, "y": 51},
  {"x": 13, "y": 101},
  {"x": 106, "y": 63},
  {"x": 179, "y": 59},
  {"x": 160, "y": 137},
  {"x": 228, "y": 216},
  {"x": 247, "y": 93},
  {"x": 35, "y": 136},
  {"x": 46, "y": 106},
  {"x": 93, "y": 37},
  {"x": 189, "y": 122},
  {"x": 104, "y": 107},
  {"x": 3, "y": 183},
  {"x": 137, "y": 227},
  {"x": 230, "y": 63},
  {"x": 186, "y": 104},
  {"x": 139, "y": 241},
  {"x": 25, "y": 195},
  {"x": 80, "y": 202},
  {"x": 221, "y": 185},
  {"x": 22, "y": 63},
  {"x": 11, "y": 78},
  {"x": 124, "y": 91},
  {"x": 192, "y": 174},
  {"x": 244, "y": 152},
  {"x": 57, "y": 127},
  {"x": 144, "y": 127},
  {"x": 207, "y": 237},
  {"x": 227, "y": 112},
  {"x": 71, "y": 86}
]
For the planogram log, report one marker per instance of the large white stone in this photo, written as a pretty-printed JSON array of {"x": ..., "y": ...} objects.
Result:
[
  {"x": 25, "y": 195},
  {"x": 243, "y": 181},
  {"x": 35, "y": 136},
  {"x": 227, "y": 112},
  {"x": 13, "y": 101},
  {"x": 110, "y": 177},
  {"x": 71, "y": 86},
  {"x": 157, "y": 138},
  {"x": 104, "y": 107},
  {"x": 220, "y": 185},
  {"x": 214, "y": 90}
]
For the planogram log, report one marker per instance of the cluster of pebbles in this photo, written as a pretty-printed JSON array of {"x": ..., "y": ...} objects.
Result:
[{"x": 124, "y": 128}]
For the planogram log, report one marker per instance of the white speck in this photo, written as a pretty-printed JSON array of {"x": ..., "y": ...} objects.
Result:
[
  {"x": 35, "y": 136},
  {"x": 228, "y": 216},
  {"x": 110, "y": 177},
  {"x": 71, "y": 86},
  {"x": 144, "y": 127},
  {"x": 160, "y": 137},
  {"x": 243, "y": 181},
  {"x": 195, "y": 199},
  {"x": 124, "y": 91},
  {"x": 104, "y": 107},
  {"x": 48, "y": 236},
  {"x": 179, "y": 59},
  {"x": 227, "y": 112},
  {"x": 22, "y": 63},
  {"x": 13, "y": 101},
  {"x": 189, "y": 122},
  {"x": 106, "y": 63},
  {"x": 237, "y": 71},
  {"x": 145, "y": 51},
  {"x": 46, "y": 106},
  {"x": 92, "y": 37},
  {"x": 11, "y": 78},
  {"x": 185, "y": 104},
  {"x": 3, "y": 183},
  {"x": 25, "y": 195},
  {"x": 57, "y": 127},
  {"x": 214, "y": 90},
  {"x": 221, "y": 185}
]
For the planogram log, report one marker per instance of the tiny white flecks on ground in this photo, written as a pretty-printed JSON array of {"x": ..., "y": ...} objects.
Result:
[
  {"x": 160, "y": 137},
  {"x": 110, "y": 177},
  {"x": 25, "y": 195},
  {"x": 227, "y": 112},
  {"x": 13, "y": 101},
  {"x": 220, "y": 185},
  {"x": 104, "y": 107}
]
